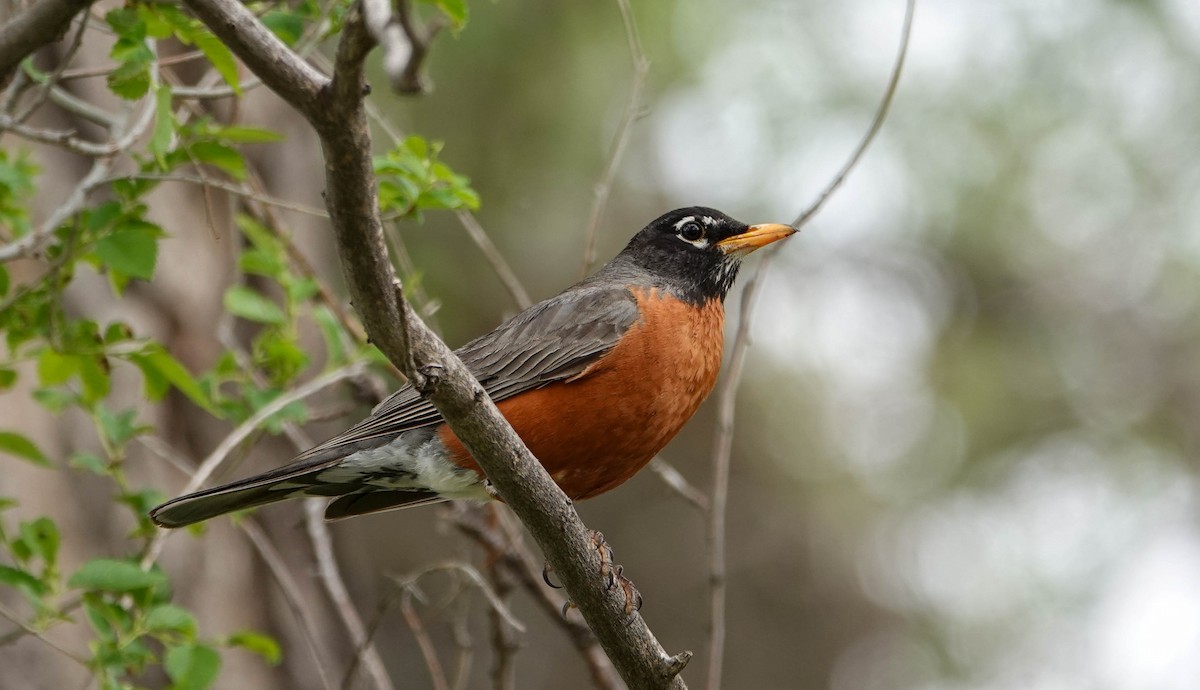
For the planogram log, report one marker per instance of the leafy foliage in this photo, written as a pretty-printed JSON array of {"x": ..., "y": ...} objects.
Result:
[{"x": 71, "y": 358}]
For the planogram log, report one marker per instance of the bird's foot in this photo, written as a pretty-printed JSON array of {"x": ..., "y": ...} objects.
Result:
[
  {"x": 491, "y": 491},
  {"x": 612, "y": 574}
]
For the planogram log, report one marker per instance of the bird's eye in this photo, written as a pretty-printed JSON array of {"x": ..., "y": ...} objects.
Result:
[{"x": 691, "y": 231}]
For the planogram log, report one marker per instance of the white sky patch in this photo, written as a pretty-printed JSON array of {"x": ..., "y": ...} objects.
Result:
[{"x": 1147, "y": 628}]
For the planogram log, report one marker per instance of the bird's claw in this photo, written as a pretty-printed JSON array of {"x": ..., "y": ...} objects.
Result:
[
  {"x": 546, "y": 570},
  {"x": 613, "y": 574},
  {"x": 491, "y": 491}
]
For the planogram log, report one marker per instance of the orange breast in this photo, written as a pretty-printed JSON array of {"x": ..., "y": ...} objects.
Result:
[{"x": 595, "y": 431}]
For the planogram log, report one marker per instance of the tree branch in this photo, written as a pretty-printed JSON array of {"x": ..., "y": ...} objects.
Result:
[
  {"x": 726, "y": 396},
  {"x": 506, "y": 550},
  {"x": 293, "y": 79},
  {"x": 340, "y": 122},
  {"x": 45, "y": 22},
  {"x": 335, "y": 587}
]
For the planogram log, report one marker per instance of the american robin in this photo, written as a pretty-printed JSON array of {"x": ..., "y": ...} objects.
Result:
[{"x": 595, "y": 381}]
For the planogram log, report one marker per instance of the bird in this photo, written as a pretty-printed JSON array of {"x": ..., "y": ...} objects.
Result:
[{"x": 595, "y": 380}]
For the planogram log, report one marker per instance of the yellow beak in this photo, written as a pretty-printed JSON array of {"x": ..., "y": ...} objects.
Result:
[{"x": 755, "y": 236}]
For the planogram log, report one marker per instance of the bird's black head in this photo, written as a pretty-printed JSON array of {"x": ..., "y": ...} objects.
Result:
[{"x": 695, "y": 251}]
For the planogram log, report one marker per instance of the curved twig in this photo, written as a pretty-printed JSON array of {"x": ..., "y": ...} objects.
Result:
[{"x": 726, "y": 396}]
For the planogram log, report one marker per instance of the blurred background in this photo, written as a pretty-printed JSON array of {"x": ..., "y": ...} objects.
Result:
[{"x": 966, "y": 442}]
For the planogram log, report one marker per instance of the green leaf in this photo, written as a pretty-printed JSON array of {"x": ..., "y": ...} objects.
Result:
[
  {"x": 126, "y": 23},
  {"x": 90, "y": 463},
  {"x": 93, "y": 373},
  {"x": 117, "y": 332},
  {"x": 55, "y": 368},
  {"x": 109, "y": 575},
  {"x": 131, "y": 80},
  {"x": 158, "y": 364},
  {"x": 221, "y": 156},
  {"x": 192, "y": 666},
  {"x": 295, "y": 411},
  {"x": 4, "y": 282},
  {"x": 7, "y": 378},
  {"x": 220, "y": 57},
  {"x": 164, "y": 124},
  {"x": 22, "y": 580},
  {"x": 247, "y": 135},
  {"x": 263, "y": 645},
  {"x": 456, "y": 10},
  {"x": 248, "y": 304},
  {"x": 55, "y": 400},
  {"x": 131, "y": 249},
  {"x": 41, "y": 536},
  {"x": 104, "y": 617},
  {"x": 142, "y": 501},
  {"x": 280, "y": 355},
  {"x": 331, "y": 328},
  {"x": 21, "y": 447},
  {"x": 287, "y": 26},
  {"x": 171, "y": 618},
  {"x": 119, "y": 427},
  {"x": 104, "y": 216},
  {"x": 260, "y": 263}
]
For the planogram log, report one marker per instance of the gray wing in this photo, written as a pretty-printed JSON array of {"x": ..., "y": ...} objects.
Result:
[{"x": 550, "y": 341}]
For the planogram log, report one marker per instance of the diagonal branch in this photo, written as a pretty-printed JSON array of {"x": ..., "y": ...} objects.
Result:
[
  {"x": 293, "y": 79},
  {"x": 340, "y": 122},
  {"x": 44, "y": 22}
]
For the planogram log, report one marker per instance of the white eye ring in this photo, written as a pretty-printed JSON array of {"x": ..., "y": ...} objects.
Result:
[{"x": 692, "y": 233}]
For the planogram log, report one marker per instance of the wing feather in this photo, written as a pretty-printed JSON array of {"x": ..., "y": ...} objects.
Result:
[{"x": 551, "y": 341}]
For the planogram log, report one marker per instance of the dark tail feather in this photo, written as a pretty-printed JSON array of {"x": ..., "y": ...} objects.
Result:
[
  {"x": 210, "y": 503},
  {"x": 351, "y": 505}
]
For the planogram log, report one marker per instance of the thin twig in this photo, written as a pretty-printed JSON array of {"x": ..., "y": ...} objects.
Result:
[
  {"x": 436, "y": 674},
  {"x": 238, "y": 189},
  {"x": 291, "y": 592},
  {"x": 476, "y": 579},
  {"x": 881, "y": 113},
  {"x": 84, "y": 109},
  {"x": 406, "y": 75},
  {"x": 505, "y": 643},
  {"x": 89, "y": 72},
  {"x": 323, "y": 552},
  {"x": 388, "y": 32},
  {"x": 515, "y": 557},
  {"x": 271, "y": 557},
  {"x": 726, "y": 397},
  {"x": 722, "y": 452},
  {"x": 30, "y": 630},
  {"x": 633, "y": 107},
  {"x": 679, "y": 484},
  {"x": 243, "y": 431},
  {"x": 65, "y": 61},
  {"x": 318, "y": 534},
  {"x": 503, "y": 271},
  {"x": 122, "y": 138}
]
